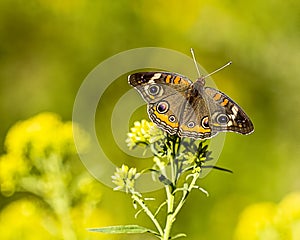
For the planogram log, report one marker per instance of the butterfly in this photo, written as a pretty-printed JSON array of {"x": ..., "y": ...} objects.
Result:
[{"x": 188, "y": 109}]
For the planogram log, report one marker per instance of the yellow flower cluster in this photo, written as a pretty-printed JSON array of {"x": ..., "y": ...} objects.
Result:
[
  {"x": 271, "y": 221},
  {"x": 143, "y": 133},
  {"x": 41, "y": 159},
  {"x": 30, "y": 143},
  {"x": 124, "y": 178},
  {"x": 39, "y": 136},
  {"x": 23, "y": 219}
]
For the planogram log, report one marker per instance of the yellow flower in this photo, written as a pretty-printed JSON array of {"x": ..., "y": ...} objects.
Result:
[
  {"x": 34, "y": 147},
  {"x": 156, "y": 134},
  {"x": 11, "y": 169},
  {"x": 87, "y": 189},
  {"x": 124, "y": 178},
  {"x": 24, "y": 219},
  {"x": 39, "y": 159},
  {"x": 288, "y": 215},
  {"x": 143, "y": 133},
  {"x": 39, "y": 136},
  {"x": 270, "y": 221}
]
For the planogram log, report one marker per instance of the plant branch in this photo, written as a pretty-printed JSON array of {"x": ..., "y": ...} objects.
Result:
[
  {"x": 173, "y": 213},
  {"x": 148, "y": 212},
  {"x": 186, "y": 193}
]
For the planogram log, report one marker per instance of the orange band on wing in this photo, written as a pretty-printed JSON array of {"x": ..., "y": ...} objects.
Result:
[
  {"x": 165, "y": 118},
  {"x": 168, "y": 78},
  {"x": 177, "y": 80},
  {"x": 225, "y": 102},
  {"x": 217, "y": 96},
  {"x": 197, "y": 129}
]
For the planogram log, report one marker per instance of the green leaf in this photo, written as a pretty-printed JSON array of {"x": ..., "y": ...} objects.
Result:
[
  {"x": 122, "y": 229},
  {"x": 164, "y": 180},
  {"x": 179, "y": 236}
]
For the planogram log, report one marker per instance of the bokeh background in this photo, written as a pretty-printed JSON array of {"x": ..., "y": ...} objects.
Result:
[{"x": 47, "y": 48}]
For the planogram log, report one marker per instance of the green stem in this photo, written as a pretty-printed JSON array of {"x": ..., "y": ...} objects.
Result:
[
  {"x": 186, "y": 193},
  {"x": 173, "y": 213},
  {"x": 148, "y": 212},
  {"x": 179, "y": 164},
  {"x": 59, "y": 199},
  {"x": 170, "y": 218},
  {"x": 170, "y": 193}
]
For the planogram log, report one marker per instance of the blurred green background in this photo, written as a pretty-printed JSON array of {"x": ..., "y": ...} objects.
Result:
[{"x": 47, "y": 48}]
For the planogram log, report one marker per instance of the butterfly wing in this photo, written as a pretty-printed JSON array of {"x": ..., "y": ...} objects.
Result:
[
  {"x": 225, "y": 114},
  {"x": 177, "y": 105},
  {"x": 195, "y": 120},
  {"x": 165, "y": 94}
]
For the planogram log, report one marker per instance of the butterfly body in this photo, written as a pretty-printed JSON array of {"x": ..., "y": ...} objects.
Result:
[{"x": 179, "y": 106}]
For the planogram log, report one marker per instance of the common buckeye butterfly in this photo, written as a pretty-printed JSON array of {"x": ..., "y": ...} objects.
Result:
[{"x": 179, "y": 106}]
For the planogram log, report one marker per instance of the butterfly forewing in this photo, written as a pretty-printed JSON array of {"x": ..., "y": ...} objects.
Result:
[{"x": 165, "y": 94}]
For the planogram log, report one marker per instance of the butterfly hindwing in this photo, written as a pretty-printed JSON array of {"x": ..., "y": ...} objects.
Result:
[
  {"x": 225, "y": 114},
  {"x": 195, "y": 119},
  {"x": 166, "y": 112}
]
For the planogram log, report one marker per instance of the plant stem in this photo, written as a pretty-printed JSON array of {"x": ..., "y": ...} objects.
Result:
[
  {"x": 59, "y": 199},
  {"x": 148, "y": 212},
  {"x": 170, "y": 218},
  {"x": 170, "y": 200},
  {"x": 186, "y": 193},
  {"x": 169, "y": 190}
]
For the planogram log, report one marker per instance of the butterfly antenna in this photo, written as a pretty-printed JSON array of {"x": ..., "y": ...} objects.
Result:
[
  {"x": 195, "y": 62},
  {"x": 219, "y": 69}
]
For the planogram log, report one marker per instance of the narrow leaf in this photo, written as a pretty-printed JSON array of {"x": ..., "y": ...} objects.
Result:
[
  {"x": 179, "y": 236},
  {"x": 138, "y": 212},
  {"x": 218, "y": 168},
  {"x": 164, "y": 180},
  {"x": 122, "y": 229}
]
